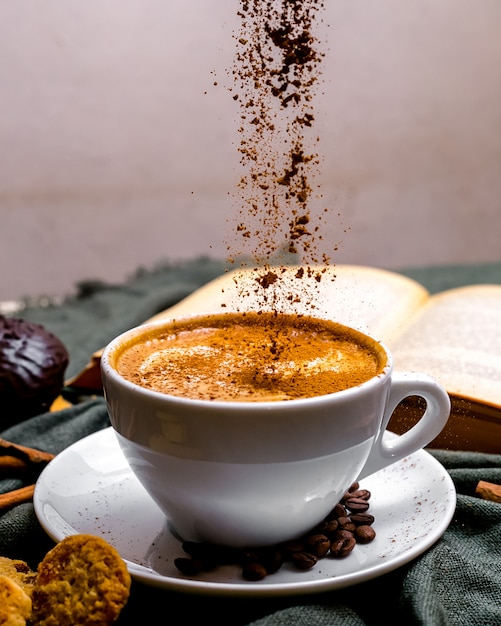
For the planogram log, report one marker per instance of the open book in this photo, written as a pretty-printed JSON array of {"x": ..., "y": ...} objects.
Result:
[{"x": 454, "y": 336}]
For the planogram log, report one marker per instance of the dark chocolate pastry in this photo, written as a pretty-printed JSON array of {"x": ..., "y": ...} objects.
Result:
[{"x": 32, "y": 366}]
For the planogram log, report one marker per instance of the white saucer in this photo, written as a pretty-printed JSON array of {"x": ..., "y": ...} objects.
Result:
[{"x": 89, "y": 488}]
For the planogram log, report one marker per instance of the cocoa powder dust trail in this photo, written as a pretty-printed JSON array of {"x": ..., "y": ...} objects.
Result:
[{"x": 276, "y": 75}]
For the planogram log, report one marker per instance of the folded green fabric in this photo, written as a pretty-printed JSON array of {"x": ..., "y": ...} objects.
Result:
[{"x": 457, "y": 582}]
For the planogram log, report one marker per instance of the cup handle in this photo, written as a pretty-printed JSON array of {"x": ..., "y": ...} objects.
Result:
[{"x": 386, "y": 451}]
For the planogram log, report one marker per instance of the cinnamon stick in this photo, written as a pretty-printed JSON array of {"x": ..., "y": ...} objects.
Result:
[
  {"x": 15, "y": 497},
  {"x": 17, "y": 459},
  {"x": 488, "y": 491},
  {"x": 12, "y": 465},
  {"x": 30, "y": 455}
]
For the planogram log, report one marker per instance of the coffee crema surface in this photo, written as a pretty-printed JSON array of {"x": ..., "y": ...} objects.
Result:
[{"x": 250, "y": 357}]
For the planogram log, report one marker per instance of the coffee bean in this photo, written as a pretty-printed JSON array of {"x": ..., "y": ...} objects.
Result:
[
  {"x": 272, "y": 559},
  {"x": 188, "y": 566},
  {"x": 254, "y": 571},
  {"x": 340, "y": 548},
  {"x": 356, "y": 505},
  {"x": 328, "y": 527},
  {"x": 345, "y": 523},
  {"x": 337, "y": 511},
  {"x": 362, "y": 518},
  {"x": 318, "y": 545},
  {"x": 343, "y": 534},
  {"x": 363, "y": 494},
  {"x": 364, "y": 534},
  {"x": 304, "y": 560}
]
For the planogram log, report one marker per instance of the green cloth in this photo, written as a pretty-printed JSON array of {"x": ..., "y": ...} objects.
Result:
[{"x": 457, "y": 582}]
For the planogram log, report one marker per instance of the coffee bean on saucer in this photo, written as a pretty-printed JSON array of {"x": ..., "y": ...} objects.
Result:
[
  {"x": 304, "y": 560},
  {"x": 358, "y": 505},
  {"x": 362, "y": 518},
  {"x": 341, "y": 548},
  {"x": 343, "y": 534},
  {"x": 318, "y": 545},
  {"x": 363, "y": 494},
  {"x": 188, "y": 566},
  {"x": 328, "y": 527},
  {"x": 364, "y": 534},
  {"x": 337, "y": 511},
  {"x": 254, "y": 571},
  {"x": 347, "y": 525},
  {"x": 271, "y": 558}
]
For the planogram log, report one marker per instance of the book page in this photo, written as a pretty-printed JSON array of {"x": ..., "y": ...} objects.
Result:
[
  {"x": 378, "y": 302},
  {"x": 456, "y": 338}
]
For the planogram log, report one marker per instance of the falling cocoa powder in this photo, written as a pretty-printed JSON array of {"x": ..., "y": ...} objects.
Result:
[{"x": 276, "y": 74}]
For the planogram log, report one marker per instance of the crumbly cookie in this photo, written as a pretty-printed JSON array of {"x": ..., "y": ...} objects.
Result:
[
  {"x": 15, "y": 604},
  {"x": 82, "y": 580},
  {"x": 18, "y": 571}
]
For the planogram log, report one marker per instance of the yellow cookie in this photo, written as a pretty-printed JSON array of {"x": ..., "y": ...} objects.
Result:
[
  {"x": 18, "y": 571},
  {"x": 82, "y": 580},
  {"x": 15, "y": 604}
]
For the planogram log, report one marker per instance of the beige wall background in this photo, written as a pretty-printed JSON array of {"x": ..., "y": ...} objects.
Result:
[{"x": 117, "y": 151}]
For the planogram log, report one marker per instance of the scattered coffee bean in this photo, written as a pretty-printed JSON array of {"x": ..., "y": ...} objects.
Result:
[
  {"x": 356, "y": 505},
  {"x": 328, "y": 527},
  {"x": 364, "y": 534},
  {"x": 304, "y": 560},
  {"x": 337, "y": 512},
  {"x": 347, "y": 525},
  {"x": 343, "y": 534},
  {"x": 362, "y": 518},
  {"x": 271, "y": 558},
  {"x": 254, "y": 571},
  {"x": 340, "y": 548},
  {"x": 188, "y": 566},
  {"x": 318, "y": 545},
  {"x": 363, "y": 494}
]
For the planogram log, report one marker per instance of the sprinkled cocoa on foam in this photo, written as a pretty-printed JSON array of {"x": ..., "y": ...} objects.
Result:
[{"x": 250, "y": 357}]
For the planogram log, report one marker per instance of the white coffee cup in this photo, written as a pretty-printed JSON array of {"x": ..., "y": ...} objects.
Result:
[{"x": 248, "y": 474}]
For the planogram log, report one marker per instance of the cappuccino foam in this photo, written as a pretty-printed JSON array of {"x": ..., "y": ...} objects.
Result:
[{"x": 250, "y": 357}]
